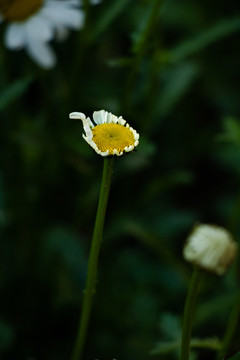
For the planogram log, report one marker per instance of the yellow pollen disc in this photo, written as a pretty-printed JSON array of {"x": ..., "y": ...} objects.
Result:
[
  {"x": 112, "y": 136},
  {"x": 19, "y": 10}
]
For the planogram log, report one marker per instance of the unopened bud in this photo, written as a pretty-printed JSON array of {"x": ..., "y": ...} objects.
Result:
[{"x": 210, "y": 247}]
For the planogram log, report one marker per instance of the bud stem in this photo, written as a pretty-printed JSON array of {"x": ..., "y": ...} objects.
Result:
[{"x": 189, "y": 311}]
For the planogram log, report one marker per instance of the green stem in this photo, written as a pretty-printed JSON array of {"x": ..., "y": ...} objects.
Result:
[
  {"x": 189, "y": 310},
  {"x": 231, "y": 327},
  {"x": 93, "y": 258},
  {"x": 140, "y": 47}
]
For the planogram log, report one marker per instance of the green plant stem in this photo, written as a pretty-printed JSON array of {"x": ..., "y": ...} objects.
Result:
[
  {"x": 93, "y": 258},
  {"x": 231, "y": 327},
  {"x": 189, "y": 311},
  {"x": 140, "y": 48}
]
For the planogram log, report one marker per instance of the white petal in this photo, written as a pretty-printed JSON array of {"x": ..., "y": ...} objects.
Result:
[
  {"x": 100, "y": 116},
  {"x": 63, "y": 3},
  {"x": 72, "y": 18},
  {"x": 95, "y": 2},
  {"x": 77, "y": 115},
  {"x": 41, "y": 53},
  {"x": 39, "y": 29},
  {"x": 15, "y": 37},
  {"x": 121, "y": 121},
  {"x": 87, "y": 125},
  {"x": 112, "y": 118}
]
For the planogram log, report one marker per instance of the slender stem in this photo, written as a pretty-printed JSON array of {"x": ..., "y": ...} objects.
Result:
[
  {"x": 231, "y": 327},
  {"x": 140, "y": 47},
  {"x": 189, "y": 310},
  {"x": 93, "y": 259}
]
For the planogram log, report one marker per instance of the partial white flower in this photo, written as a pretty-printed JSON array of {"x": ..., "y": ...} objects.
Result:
[
  {"x": 211, "y": 248},
  {"x": 110, "y": 135},
  {"x": 33, "y": 23}
]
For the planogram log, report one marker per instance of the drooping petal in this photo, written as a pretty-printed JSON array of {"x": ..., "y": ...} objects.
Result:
[
  {"x": 87, "y": 125},
  {"x": 15, "y": 36},
  {"x": 77, "y": 115}
]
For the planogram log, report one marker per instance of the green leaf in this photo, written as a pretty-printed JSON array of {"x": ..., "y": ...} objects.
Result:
[
  {"x": 217, "y": 32},
  {"x": 231, "y": 131},
  {"x": 13, "y": 92},
  {"x": 165, "y": 347},
  {"x": 208, "y": 343},
  {"x": 170, "y": 326},
  {"x": 213, "y": 307},
  {"x": 119, "y": 62},
  {"x": 108, "y": 16},
  {"x": 177, "y": 81},
  {"x": 6, "y": 335}
]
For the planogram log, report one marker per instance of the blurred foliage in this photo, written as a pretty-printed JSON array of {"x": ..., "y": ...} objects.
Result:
[{"x": 171, "y": 68}]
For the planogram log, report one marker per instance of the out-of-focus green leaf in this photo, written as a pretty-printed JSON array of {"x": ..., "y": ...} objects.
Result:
[
  {"x": 208, "y": 343},
  {"x": 165, "y": 347},
  {"x": 231, "y": 131},
  {"x": 119, "y": 63},
  {"x": 64, "y": 244},
  {"x": 170, "y": 326},
  {"x": 6, "y": 335},
  {"x": 213, "y": 307},
  {"x": 108, "y": 16},
  {"x": 176, "y": 81},
  {"x": 209, "y": 36},
  {"x": 13, "y": 92}
]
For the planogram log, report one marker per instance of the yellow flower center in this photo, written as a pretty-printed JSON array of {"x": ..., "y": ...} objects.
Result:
[
  {"x": 112, "y": 136},
  {"x": 19, "y": 10}
]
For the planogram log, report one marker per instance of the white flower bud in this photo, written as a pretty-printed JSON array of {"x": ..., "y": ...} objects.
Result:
[{"x": 210, "y": 247}]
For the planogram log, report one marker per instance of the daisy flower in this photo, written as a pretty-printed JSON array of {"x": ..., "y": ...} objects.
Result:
[
  {"x": 33, "y": 23},
  {"x": 110, "y": 135}
]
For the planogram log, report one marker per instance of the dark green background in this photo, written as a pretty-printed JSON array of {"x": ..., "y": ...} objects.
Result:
[{"x": 176, "y": 81}]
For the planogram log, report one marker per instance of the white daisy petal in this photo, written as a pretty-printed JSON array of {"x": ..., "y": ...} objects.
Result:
[
  {"x": 95, "y": 2},
  {"x": 72, "y": 18},
  {"x": 39, "y": 29},
  {"x": 42, "y": 53},
  {"x": 87, "y": 128},
  {"x": 62, "y": 3},
  {"x": 77, "y": 115},
  {"x": 98, "y": 117},
  {"x": 15, "y": 37}
]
